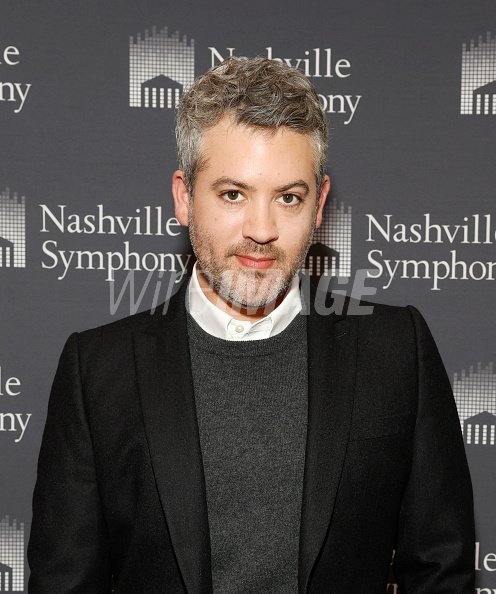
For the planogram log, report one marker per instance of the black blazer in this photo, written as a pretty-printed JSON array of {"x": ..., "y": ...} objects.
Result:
[{"x": 120, "y": 496}]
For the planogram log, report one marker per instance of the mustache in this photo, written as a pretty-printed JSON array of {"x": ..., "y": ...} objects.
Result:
[{"x": 252, "y": 248}]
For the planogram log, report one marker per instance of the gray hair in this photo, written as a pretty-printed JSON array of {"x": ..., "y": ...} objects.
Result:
[{"x": 257, "y": 92}]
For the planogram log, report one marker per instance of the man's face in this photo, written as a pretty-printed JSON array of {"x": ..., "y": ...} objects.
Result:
[{"x": 253, "y": 211}]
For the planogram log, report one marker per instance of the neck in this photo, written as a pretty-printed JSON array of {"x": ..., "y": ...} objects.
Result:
[{"x": 233, "y": 309}]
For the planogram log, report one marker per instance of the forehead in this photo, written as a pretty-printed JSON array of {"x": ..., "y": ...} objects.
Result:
[{"x": 255, "y": 152}]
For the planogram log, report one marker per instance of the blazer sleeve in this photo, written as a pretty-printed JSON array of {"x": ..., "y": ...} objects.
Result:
[
  {"x": 435, "y": 541},
  {"x": 68, "y": 546}
]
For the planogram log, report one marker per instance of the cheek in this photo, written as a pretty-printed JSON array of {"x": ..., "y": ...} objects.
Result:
[
  {"x": 297, "y": 231},
  {"x": 226, "y": 225},
  {"x": 222, "y": 233}
]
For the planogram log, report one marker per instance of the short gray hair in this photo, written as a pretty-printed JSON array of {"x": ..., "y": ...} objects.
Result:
[{"x": 257, "y": 92}]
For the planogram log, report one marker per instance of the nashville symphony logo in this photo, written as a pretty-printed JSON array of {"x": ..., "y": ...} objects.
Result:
[
  {"x": 475, "y": 396},
  {"x": 478, "y": 84},
  {"x": 11, "y": 555},
  {"x": 330, "y": 252},
  {"x": 12, "y": 230},
  {"x": 161, "y": 68}
]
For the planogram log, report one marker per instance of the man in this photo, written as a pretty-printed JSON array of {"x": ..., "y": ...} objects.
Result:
[{"x": 232, "y": 444}]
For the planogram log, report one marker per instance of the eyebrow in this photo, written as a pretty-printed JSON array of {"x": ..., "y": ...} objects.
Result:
[{"x": 227, "y": 181}]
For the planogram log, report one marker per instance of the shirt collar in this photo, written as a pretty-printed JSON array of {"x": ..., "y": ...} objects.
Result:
[{"x": 221, "y": 325}]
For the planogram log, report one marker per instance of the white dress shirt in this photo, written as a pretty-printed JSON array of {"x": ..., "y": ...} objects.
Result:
[{"x": 220, "y": 324}]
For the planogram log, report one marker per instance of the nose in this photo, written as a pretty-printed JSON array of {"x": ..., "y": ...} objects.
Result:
[{"x": 259, "y": 223}]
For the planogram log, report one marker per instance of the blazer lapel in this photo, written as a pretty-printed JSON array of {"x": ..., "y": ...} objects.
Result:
[
  {"x": 167, "y": 399},
  {"x": 166, "y": 392},
  {"x": 331, "y": 372}
]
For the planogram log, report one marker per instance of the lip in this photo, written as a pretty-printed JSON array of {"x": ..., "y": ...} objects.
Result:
[{"x": 258, "y": 263}]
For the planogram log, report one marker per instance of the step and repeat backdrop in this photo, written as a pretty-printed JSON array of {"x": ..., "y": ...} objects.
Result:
[{"x": 87, "y": 230}]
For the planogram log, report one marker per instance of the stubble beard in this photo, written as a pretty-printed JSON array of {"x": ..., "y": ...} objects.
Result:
[{"x": 240, "y": 287}]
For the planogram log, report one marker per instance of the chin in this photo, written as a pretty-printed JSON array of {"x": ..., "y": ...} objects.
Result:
[{"x": 254, "y": 297}]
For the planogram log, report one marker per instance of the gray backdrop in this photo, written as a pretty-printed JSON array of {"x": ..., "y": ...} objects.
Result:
[{"x": 410, "y": 93}]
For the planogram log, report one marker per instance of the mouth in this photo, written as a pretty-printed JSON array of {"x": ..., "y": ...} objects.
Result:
[{"x": 254, "y": 262}]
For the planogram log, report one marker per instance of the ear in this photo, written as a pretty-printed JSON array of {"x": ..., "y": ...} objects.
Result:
[
  {"x": 181, "y": 197},
  {"x": 326, "y": 186}
]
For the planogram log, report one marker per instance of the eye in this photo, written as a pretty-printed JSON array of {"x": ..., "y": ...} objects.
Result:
[
  {"x": 232, "y": 196},
  {"x": 289, "y": 199}
]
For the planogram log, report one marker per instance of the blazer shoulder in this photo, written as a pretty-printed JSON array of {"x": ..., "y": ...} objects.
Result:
[
  {"x": 401, "y": 331},
  {"x": 376, "y": 312},
  {"x": 123, "y": 328},
  {"x": 398, "y": 324},
  {"x": 347, "y": 307}
]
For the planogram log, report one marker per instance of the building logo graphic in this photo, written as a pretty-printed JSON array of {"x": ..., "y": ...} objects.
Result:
[
  {"x": 330, "y": 252},
  {"x": 475, "y": 396},
  {"x": 11, "y": 555},
  {"x": 161, "y": 68},
  {"x": 12, "y": 230},
  {"x": 478, "y": 84}
]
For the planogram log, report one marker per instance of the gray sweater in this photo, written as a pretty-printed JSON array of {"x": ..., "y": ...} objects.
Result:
[{"x": 251, "y": 403}]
